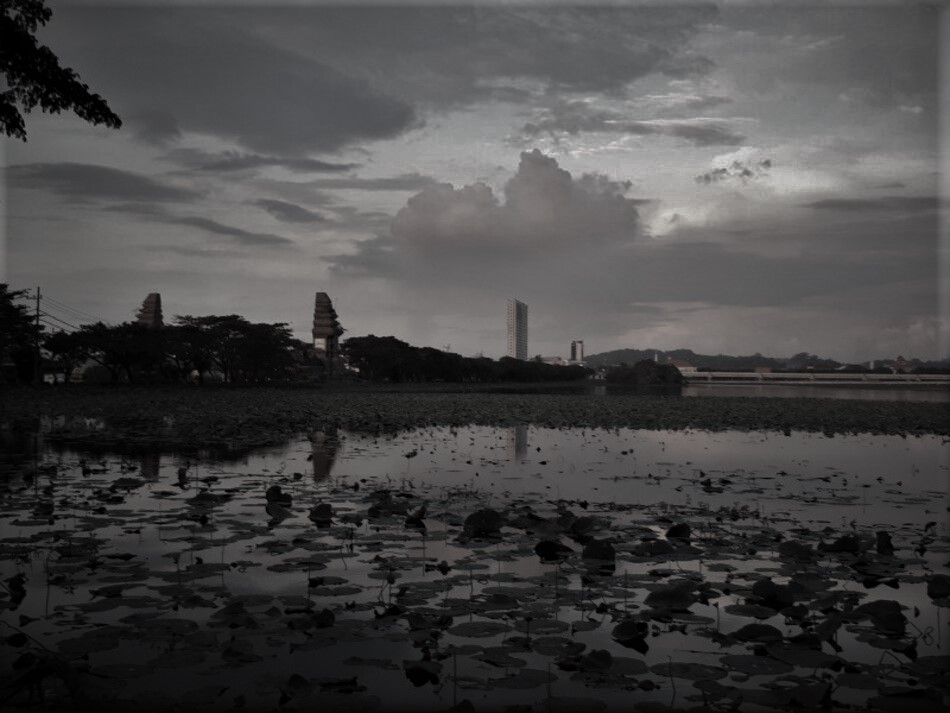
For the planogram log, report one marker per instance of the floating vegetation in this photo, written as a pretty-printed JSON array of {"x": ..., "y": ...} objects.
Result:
[{"x": 651, "y": 570}]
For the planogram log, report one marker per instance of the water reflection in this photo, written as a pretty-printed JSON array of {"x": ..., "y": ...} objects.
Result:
[
  {"x": 517, "y": 442},
  {"x": 237, "y": 564},
  {"x": 149, "y": 463},
  {"x": 324, "y": 446}
]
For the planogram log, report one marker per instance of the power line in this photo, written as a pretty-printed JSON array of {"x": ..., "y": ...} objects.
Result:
[
  {"x": 55, "y": 326},
  {"x": 48, "y": 313},
  {"x": 73, "y": 310},
  {"x": 61, "y": 321}
]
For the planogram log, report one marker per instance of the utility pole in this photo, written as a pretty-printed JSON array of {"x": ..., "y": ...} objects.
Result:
[{"x": 37, "y": 376}]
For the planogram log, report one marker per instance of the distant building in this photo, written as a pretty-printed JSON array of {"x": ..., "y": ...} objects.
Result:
[
  {"x": 901, "y": 366},
  {"x": 577, "y": 350},
  {"x": 684, "y": 366},
  {"x": 150, "y": 313},
  {"x": 326, "y": 329},
  {"x": 517, "y": 329}
]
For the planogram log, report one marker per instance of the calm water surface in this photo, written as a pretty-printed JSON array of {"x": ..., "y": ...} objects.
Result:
[{"x": 178, "y": 582}]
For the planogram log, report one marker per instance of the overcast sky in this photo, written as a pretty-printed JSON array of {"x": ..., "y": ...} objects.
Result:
[{"x": 736, "y": 178}]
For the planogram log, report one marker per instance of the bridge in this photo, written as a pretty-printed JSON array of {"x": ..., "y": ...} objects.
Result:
[{"x": 807, "y": 377}]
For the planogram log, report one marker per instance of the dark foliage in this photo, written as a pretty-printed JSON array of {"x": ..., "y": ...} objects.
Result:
[
  {"x": 33, "y": 76},
  {"x": 18, "y": 334},
  {"x": 390, "y": 359},
  {"x": 645, "y": 373}
]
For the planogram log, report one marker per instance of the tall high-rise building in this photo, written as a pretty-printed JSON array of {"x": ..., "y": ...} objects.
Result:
[
  {"x": 517, "y": 329},
  {"x": 326, "y": 329},
  {"x": 150, "y": 313},
  {"x": 577, "y": 350}
]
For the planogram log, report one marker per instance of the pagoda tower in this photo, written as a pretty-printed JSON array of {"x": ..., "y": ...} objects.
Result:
[
  {"x": 326, "y": 329},
  {"x": 150, "y": 313}
]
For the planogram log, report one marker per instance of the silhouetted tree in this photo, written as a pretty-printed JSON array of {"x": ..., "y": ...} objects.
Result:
[
  {"x": 18, "y": 335},
  {"x": 240, "y": 350},
  {"x": 389, "y": 359},
  {"x": 127, "y": 348},
  {"x": 33, "y": 76},
  {"x": 67, "y": 349}
]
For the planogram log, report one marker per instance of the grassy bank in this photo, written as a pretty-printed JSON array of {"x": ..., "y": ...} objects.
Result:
[{"x": 244, "y": 417}]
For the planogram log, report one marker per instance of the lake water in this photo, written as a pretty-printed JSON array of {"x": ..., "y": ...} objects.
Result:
[{"x": 178, "y": 581}]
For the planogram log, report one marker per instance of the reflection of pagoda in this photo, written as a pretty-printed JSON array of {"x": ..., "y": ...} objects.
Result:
[
  {"x": 326, "y": 330},
  {"x": 149, "y": 463},
  {"x": 517, "y": 442},
  {"x": 324, "y": 444},
  {"x": 150, "y": 313}
]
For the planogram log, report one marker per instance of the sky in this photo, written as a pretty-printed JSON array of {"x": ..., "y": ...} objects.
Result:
[{"x": 728, "y": 178}]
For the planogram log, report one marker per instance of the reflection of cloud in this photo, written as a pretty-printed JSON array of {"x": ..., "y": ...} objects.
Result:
[{"x": 325, "y": 444}]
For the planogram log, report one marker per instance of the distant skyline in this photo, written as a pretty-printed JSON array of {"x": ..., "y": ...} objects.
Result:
[{"x": 727, "y": 178}]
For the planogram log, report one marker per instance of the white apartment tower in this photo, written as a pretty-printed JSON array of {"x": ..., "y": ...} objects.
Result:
[{"x": 517, "y": 329}]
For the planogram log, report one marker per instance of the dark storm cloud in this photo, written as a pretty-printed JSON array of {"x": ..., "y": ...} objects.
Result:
[
  {"x": 309, "y": 79},
  {"x": 233, "y": 161},
  {"x": 155, "y": 126},
  {"x": 402, "y": 182},
  {"x": 898, "y": 204},
  {"x": 580, "y": 117},
  {"x": 86, "y": 182},
  {"x": 882, "y": 55},
  {"x": 213, "y": 74},
  {"x": 288, "y": 212},
  {"x": 444, "y": 56},
  {"x": 238, "y": 235}
]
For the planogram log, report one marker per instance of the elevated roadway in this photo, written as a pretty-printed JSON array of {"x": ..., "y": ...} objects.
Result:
[{"x": 813, "y": 377}]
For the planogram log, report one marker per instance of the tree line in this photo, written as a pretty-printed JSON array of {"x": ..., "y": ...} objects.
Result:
[
  {"x": 390, "y": 359},
  {"x": 232, "y": 349}
]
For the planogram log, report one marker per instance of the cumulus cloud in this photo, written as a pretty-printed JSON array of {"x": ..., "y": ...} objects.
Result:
[
  {"x": 743, "y": 171},
  {"x": 544, "y": 208},
  {"x": 84, "y": 182},
  {"x": 577, "y": 117}
]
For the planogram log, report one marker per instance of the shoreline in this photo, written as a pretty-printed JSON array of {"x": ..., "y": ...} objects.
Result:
[{"x": 259, "y": 416}]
